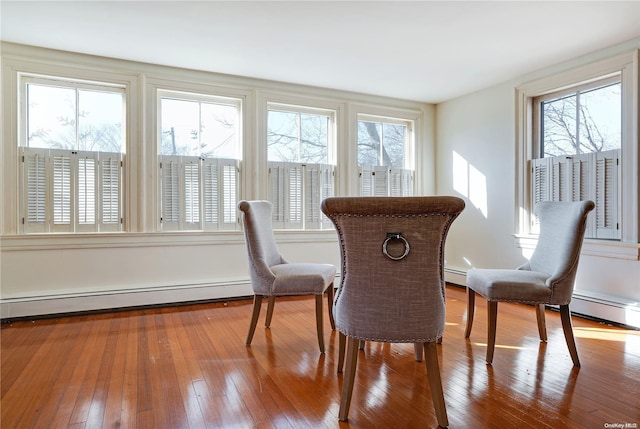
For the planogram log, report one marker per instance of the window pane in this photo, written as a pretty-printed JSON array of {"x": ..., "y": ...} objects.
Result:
[
  {"x": 559, "y": 127},
  {"x": 219, "y": 137},
  {"x": 100, "y": 121},
  {"x": 369, "y": 143},
  {"x": 601, "y": 119},
  {"x": 314, "y": 131},
  {"x": 51, "y": 117},
  {"x": 393, "y": 138},
  {"x": 180, "y": 127},
  {"x": 381, "y": 143},
  {"x": 282, "y": 136}
]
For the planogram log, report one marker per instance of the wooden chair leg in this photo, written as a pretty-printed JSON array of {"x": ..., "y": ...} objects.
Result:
[
  {"x": 272, "y": 303},
  {"x": 319, "y": 323},
  {"x": 492, "y": 316},
  {"x": 342, "y": 340},
  {"x": 471, "y": 307},
  {"x": 257, "y": 303},
  {"x": 542, "y": 325},
  {"x": 565, "y": 316},
  {"x": 435, "y": 383},
  {"x": 349, "y": 378},
  {"x": 330, "y": 292},
  {"x": 417, "y": 350}
]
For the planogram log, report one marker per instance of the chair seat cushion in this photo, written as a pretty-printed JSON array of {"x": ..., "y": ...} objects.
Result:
[
  {"x": 302, "y": 278},
  {"x": 510, "y": 285}
]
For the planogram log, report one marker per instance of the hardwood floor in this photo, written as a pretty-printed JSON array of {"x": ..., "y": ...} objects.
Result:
[{"x": 188, "y": 367}]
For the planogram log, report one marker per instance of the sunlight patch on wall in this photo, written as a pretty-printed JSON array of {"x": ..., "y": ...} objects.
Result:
[{"x": 470, "y": 182}]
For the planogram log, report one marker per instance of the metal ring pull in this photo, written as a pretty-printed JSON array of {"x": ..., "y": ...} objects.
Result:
[{"x": 395, "y": 236}]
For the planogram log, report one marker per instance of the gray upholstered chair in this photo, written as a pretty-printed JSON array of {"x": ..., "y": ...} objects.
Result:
[
  {"x": 392, "y": 252},
  {"x": 547, "y": 279},
  {"x": 271, "y": 275}
]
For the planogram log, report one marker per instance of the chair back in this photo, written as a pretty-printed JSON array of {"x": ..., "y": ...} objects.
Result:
[
  {"x": 391, "y": 297},
  {"x": 261, "y": 243},
  {"x": 562, "y": 228}
]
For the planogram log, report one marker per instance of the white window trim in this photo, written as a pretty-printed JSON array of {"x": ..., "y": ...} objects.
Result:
[{"x": 627, "y": 66}]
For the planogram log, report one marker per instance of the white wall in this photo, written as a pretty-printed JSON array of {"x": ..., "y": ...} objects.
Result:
[{"x": 475, "y": 159}]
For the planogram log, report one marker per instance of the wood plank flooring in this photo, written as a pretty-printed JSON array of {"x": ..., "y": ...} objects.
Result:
[{"x": 188, "y": 367}]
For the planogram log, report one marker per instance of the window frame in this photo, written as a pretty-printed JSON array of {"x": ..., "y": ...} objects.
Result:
[
  {"x": 405, "y": 175},
  {"x": 309, "y": 220},
  {"x": 74, "y": 226},
  {"x": 626, "y": 65},
  {"x": 182, "y": 224}
]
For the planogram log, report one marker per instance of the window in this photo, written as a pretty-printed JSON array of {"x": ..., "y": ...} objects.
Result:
[
  {"x": 71, "y": 155},
  {"x": 301, "y": 171},
  {"x": 384, "y": 159},
  {"x": 199, "y": 161},
  {"x": 578, "y": 136}
]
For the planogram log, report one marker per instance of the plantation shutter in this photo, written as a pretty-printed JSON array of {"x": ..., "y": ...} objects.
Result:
[
  {"x": 87, "y": 166},
  {"x": 606, "y": 195},
  {"x": 170, "y": 194},
  {"x": 374, "y": 181},
  {"x": 221, "y": 178},
  {"x": 295, "y": 177},
  {"x": 110, "y": 178},
  {"x": 327, "y": 183},
  {"x": 278, "y": 193},
  {"x": 62, "y": 191},
  {"x": 366, "y": 180},
  {"x": 230, "y": 188},
  {"x": 401, "y": 182},
  {"x": 312, "y": 196},
  {"x": 591, "y": 176},
  {"x": 34, "y": 176}
]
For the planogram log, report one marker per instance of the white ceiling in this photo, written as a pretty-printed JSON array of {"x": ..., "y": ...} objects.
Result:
[{"x": 427, "y": 51}]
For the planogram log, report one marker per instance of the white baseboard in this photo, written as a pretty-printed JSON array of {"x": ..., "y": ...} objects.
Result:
[
  {"x": 71, "y": 303},
  {"x": 608, "y": 308}
]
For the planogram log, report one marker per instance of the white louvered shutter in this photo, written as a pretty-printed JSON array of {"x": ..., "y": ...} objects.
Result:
[
  {"x": 62, "y": 192},
  {"x": 231, "y": 188},
  {"x": 277, "y": 193},
  {"x": 211, "y": 193},
  {"x": 86, "y": 190},
  {"x": 401, "y": 182},
  {"x": 312, "y": 196},
  {"x": 327, "y": 183},
  {"x": 220, "y": 193},
  {"x": 170, "y": 194},
  {"x": 109, "y": 185},
  {"x": 34, "y": 177},
  {"x": 191, "y": 186},
  {"x": 559, "y": 178},
  {"x": 607, "y": 177},
  {"x": 380, "y": 181},
  {"x": 366, "y": 180},
  {"x": 295, "y": 179}
]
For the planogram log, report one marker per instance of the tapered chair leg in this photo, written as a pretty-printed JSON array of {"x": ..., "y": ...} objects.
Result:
[
  {"x": 272, "y": 303},
  {"x": 435, "y": 383},
  {"x": 417, "y": 350},
  {"x": 342, "y": 344},
  {"x": 257, "y": 303},
  {"x": 565, "y": 316},
  {"x": 330, "y": 305},
  {"x": 542, "y": 325},
  {"x": 319, "y": 323},
  {"x": 349, "y": 378},
  {"x": 492, "y": 316},
  {"x": 471, "y": 307}
]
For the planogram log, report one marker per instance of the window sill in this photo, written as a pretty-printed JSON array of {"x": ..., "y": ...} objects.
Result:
[
  {"x": 29, "y": 242},
  {"x": 601, "y": 248}
]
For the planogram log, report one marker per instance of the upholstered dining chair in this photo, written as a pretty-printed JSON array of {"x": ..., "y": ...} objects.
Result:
[
  {"x": 546, "y": 279},
  {"x": 271, "y": 274},
  {"x": 392, "y": 253}
]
